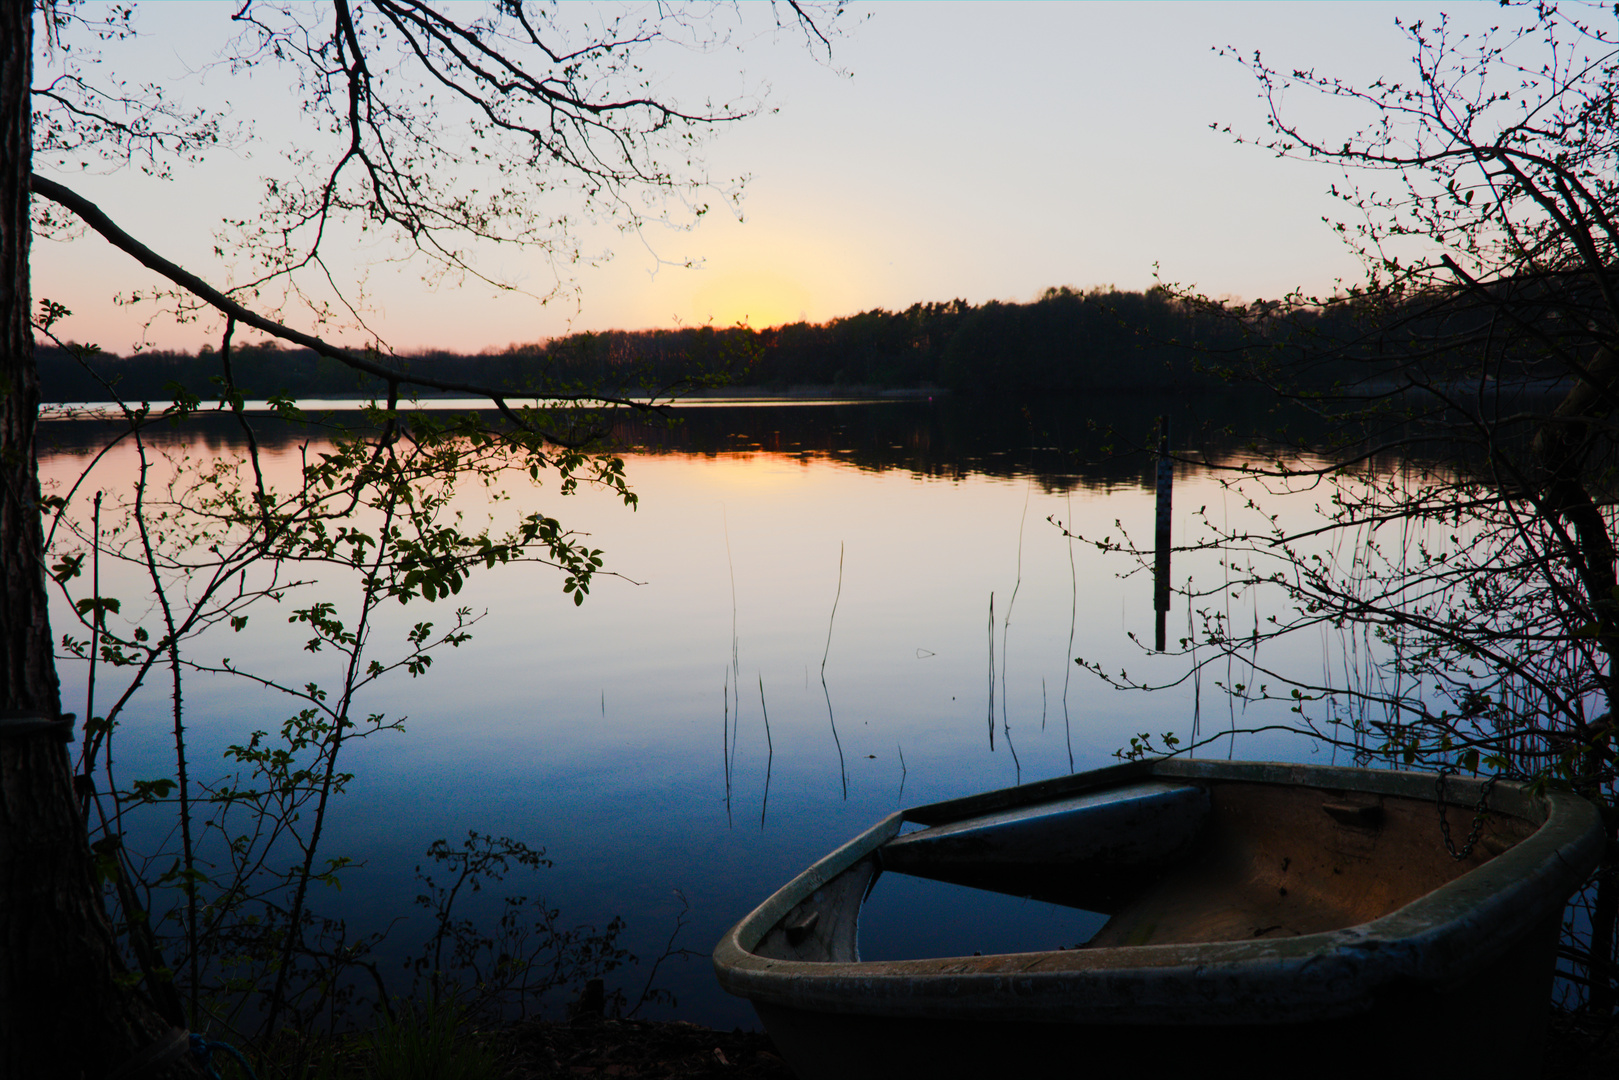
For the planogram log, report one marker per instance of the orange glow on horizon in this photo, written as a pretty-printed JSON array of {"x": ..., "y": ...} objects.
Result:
[{"x": 756, "y": 293}]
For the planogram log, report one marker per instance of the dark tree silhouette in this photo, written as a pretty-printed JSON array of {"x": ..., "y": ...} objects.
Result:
[
  {"x": 413, "y": 95},
  {"x": 1474, "y": 583}
]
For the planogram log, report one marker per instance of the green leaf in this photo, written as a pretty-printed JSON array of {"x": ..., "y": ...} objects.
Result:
[{"x": 101, "y": 604}]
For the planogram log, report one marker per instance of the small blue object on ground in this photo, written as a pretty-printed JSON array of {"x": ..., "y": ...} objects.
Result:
[{"x": 203, "y": 1049}]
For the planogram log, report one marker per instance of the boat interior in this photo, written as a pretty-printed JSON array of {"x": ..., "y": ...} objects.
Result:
[{"x": 1152, "y": 862}]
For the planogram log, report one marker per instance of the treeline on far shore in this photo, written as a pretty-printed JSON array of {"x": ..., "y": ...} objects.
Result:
[{"x": 1067, "y": 341}]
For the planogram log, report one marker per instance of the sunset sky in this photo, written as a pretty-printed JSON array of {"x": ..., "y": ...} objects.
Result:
[{"x": 980, "y": 151}]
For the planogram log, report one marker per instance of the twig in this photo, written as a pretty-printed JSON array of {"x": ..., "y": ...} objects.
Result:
[
  {"x": 843, "y": 770},
  {"x": 770, "y": 756}
]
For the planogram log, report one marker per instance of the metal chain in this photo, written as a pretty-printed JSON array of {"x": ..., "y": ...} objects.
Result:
[{"x": 1479, "y": 813}]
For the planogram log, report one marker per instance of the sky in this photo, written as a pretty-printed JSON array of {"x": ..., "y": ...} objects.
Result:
[{"x": 960, "y": 150}]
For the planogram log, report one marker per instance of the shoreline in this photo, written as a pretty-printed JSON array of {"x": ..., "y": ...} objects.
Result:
[
  {"x": 703, "y": 398},
  {"x": 1577, "y": 1048}
]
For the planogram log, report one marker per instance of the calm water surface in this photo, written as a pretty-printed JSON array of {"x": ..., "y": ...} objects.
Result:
[{"x": 600, "y": 732}]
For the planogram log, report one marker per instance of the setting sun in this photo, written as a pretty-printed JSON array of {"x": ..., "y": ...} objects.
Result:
[{"x": 757, "y": 297}]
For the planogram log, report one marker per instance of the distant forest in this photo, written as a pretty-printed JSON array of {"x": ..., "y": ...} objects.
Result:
[{"x": 1065, "y": 342}]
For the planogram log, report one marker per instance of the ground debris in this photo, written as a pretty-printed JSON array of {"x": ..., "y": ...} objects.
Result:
[
  {"x": 1577, "y": 1048},
  {"x": 1580, "y": 1047},
  {"x": 635, "y": 1050}
]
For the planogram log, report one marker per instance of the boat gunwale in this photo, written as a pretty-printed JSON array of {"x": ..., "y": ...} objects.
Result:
[{"x": 1440, "y": 937}]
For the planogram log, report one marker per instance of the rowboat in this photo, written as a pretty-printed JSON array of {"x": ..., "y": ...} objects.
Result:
[{"x": 1258, "y": 915}]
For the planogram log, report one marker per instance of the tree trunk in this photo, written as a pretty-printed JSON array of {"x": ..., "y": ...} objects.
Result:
[{"x": 65, "y": 1008}]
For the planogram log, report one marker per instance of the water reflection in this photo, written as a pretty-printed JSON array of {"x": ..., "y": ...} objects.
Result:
[
  {"x": 934, "y": 508},
  {"x": 963, "y": 921},
  {"x": 1062, "y": 444}
]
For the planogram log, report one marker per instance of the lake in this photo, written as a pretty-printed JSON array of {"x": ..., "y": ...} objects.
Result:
[{"x": 824, "y": 612}]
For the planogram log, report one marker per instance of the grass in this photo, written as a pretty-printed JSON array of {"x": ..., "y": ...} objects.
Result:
[{"x": 418, "y": 1041}]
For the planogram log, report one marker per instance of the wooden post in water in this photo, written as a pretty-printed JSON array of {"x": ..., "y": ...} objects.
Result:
[{"x": 1160, "y": 574}]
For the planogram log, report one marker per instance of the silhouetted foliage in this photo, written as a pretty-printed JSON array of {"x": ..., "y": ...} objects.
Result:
[{"x": 1067, "y": 341}]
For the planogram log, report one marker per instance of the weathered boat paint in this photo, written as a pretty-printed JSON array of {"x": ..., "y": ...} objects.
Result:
[{"x": 1370, "y": 940}]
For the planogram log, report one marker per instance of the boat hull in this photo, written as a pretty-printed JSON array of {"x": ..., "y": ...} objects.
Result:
[{"x": 1379, "y": 944}]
